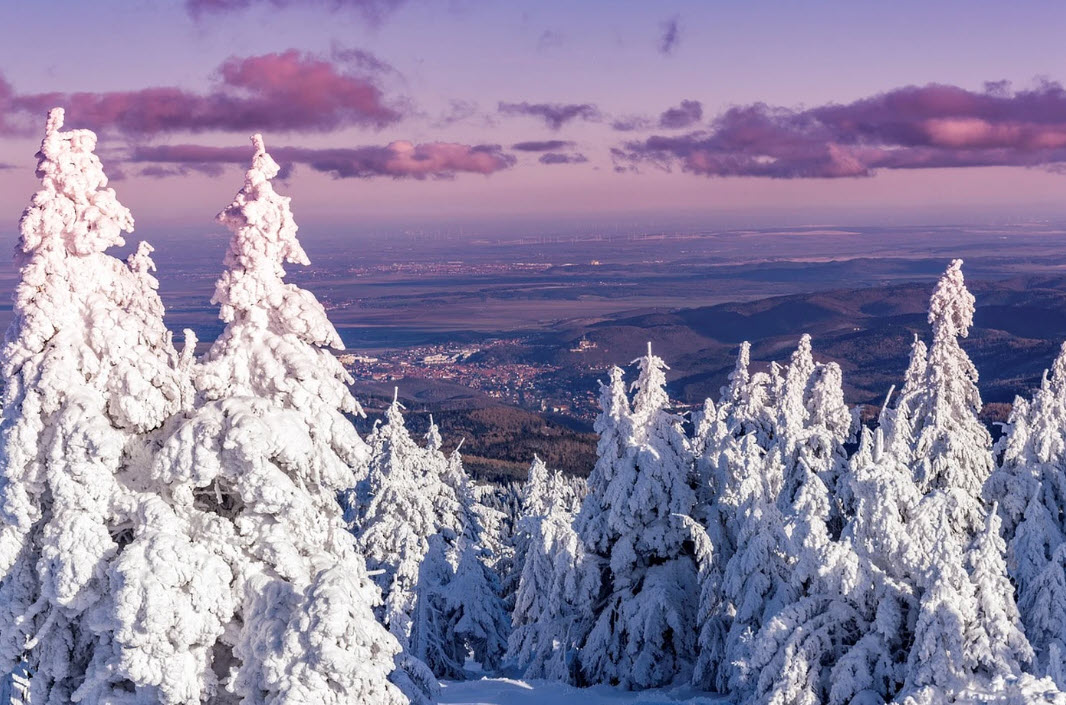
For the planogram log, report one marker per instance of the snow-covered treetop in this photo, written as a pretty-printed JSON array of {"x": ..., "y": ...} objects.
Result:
[
  {"x": 535, "y": 491},
  {"x": 264, "y": 239},
  {"x": 914, "y": 377},
  {"x": 74, "y": 210},
  {"x": 433, "y": 439},
  {"x": 952, "y": 305},
  {"x": 273, "y": 343},
  {"x": 650, "y": 387},
  {"x": 738, "y": 378}
]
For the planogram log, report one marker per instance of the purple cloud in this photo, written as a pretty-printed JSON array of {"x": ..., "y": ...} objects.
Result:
[
  {"x": 541, "y": 146},
  {"x": 670, "y": 35},
  {"x": 631, "y": 123},
  {"x": 559, "y": 158},
  {"x": 399, "y": 160},
  {"x": 685, "y": 115},
  {"x": 554, "y": 114},
  {"x": 915, "y": 127},
  {"x": 373, "y": 11},
  {"x": 286, "y": 91}
]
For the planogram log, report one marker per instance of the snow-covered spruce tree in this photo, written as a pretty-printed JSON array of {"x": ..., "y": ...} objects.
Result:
[
  {"x": 401, "y": 514},
  {"x": 551, "y": 604},
  {"x": 813, "y": 425},
  {"x": 727, "y": 436},
  {"x": 531, "y": 504},
  {"x": 88, "y": 369},
  {"x": 952, "y": 541},
  {"x": 645, "y": 629},
  {"x": 749, "y": 400},
  {"x": 756, "y": 582},
  {"x": 614, "y": 428},
  {"x": 477, "y": 620},
  {"x": 421, "y": 529},
  {"x": 249, "y": 480},
  {"x": 1030, "y": 487}
]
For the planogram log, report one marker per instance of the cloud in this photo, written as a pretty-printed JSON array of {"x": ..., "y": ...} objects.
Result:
[
  {"x": 285, "y": 91},
  {"x": 541, "y": 146},
  {"x": 685, "y": 115},
  {"x": 558, "y": 158},
  {"x": 399, "y": 160},
  {"x": 464, "y": 111},
  {"x": 670, "y": 35},
  {"x": 914, "y": 127},
  {"x": 631, "y": 123},
  {"x": 373, "y": 11},
  {"x": 554, "y": 114}
]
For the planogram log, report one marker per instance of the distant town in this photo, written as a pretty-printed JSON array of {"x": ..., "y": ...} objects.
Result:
[{"x": 524, "y": 385}]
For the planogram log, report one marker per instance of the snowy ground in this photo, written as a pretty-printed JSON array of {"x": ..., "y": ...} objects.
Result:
[{"x": 504, "y": 691}]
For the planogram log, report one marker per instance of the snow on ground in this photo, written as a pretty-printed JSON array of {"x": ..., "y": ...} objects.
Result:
[{"x": 505, "y": 691}]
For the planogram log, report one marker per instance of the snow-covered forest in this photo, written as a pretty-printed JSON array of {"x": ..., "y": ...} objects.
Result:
[{"x": 180, "y": 528}]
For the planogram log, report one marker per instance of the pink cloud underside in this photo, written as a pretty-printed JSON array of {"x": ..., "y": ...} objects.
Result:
[{"x": 287, "y": 91}]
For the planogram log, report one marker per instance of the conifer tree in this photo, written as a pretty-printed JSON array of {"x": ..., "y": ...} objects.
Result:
[
  {"x": 250, "y": 478},
  {"x": 88, "y": 370},
  {"x": 644, "y": 633}
]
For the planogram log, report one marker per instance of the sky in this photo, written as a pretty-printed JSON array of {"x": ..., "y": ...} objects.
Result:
[{"x": 420, "y": 113}]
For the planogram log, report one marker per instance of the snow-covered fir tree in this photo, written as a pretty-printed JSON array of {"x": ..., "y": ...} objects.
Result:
[
  {"x": 555, "y": 587},
  {"x": 421, "y": 533},
  {"x": 276, "y": 605},
  {"x": 88, "y": 370},
  {"x": 1030, "y": 488},
  {"x": 478, "y": 620},
  {"x": 645, "y": 622},
  {"x": 951, "y": 544},
  {"x": 404, "y": 499}
]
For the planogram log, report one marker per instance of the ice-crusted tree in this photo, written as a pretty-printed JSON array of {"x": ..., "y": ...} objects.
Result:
[
  {"x": 748, "y": 401},
  {"x": 88, "y": 370},
  {"x": 614, "y": 428},
  {"x": 955, "y": 553},
  {"x": 813, "y": 424},
  {"x": 534, "y": 498},
  {"x": 756, "y": 583},
  {"x": 421, "y": 528},
  {"x": 952, "y": 447},
  {"x": 276, "y": 605},
  {"x": 401, "y": 514},
  {"x": 478, "y": 621},
  {"x": 554, "y": 596},
  {"x": 1030, "y": 487},
  {"x": 644, "y": 633}
]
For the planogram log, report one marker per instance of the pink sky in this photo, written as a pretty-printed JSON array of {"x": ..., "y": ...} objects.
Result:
[{"x": 396, "y": 113}]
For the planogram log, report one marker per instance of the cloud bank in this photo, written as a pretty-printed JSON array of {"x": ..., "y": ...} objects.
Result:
[
  {"x": 914, "y": 127},
  {"x": 399, "y": 160},
  {"x": 287, "y": 91}
]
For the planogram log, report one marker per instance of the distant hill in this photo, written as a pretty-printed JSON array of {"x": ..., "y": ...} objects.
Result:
[{"x": 1019, "y": 325}]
